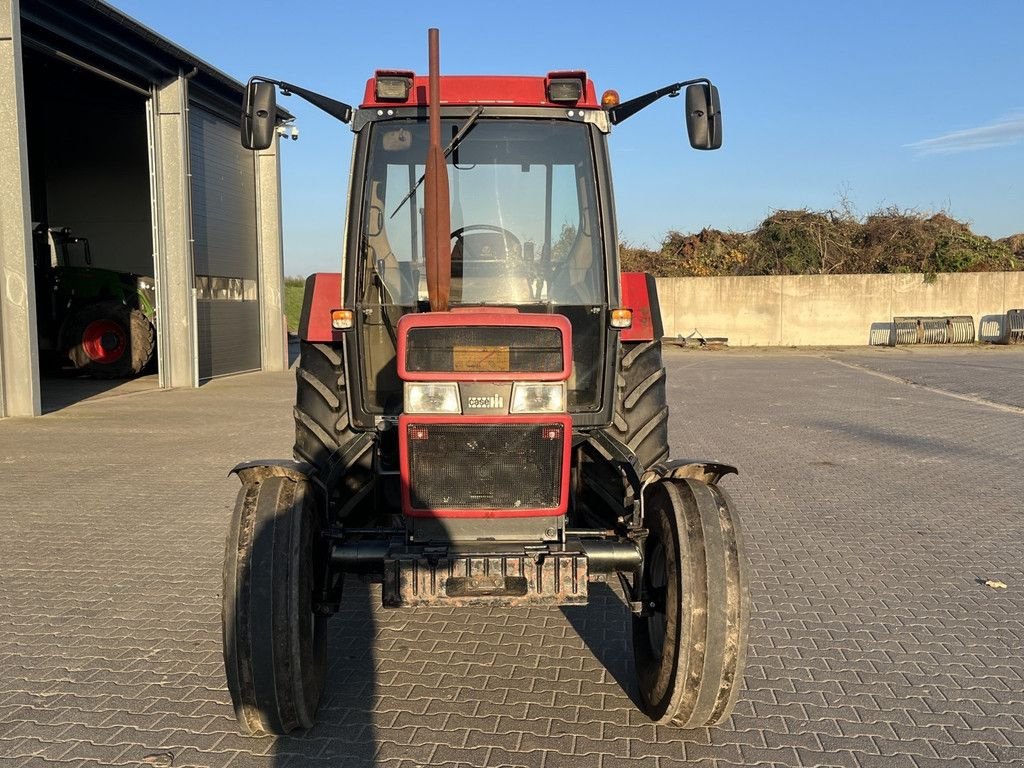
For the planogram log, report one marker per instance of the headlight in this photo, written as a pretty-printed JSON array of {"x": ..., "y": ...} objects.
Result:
[
  {"x": 431, "y": 397},
  {"x": 540, "y": 397}
]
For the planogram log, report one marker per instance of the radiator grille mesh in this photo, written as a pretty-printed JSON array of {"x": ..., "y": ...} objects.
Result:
[{"x": 485, "y": 466}]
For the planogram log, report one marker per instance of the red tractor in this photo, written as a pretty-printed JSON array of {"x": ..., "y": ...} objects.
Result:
[{"x": 481, "y": 413}]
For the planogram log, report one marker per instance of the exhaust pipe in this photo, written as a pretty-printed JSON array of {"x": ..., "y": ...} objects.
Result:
[{"x": 438, "y": 225}]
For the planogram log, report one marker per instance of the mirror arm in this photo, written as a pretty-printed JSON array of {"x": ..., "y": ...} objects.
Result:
[
  {"x": 336, "y": 109},
  {"x": 631, "y": 107}
]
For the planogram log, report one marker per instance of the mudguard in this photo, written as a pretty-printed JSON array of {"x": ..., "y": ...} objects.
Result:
[
  {"x": 640, "y": 294},
  {"x": 250, "y": 472},
  {"x": 323, "y": 294},
  {"x": 710, "y": 472}
]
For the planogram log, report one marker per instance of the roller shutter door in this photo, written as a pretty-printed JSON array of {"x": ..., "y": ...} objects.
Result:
[{"x": 225, "y": 247}]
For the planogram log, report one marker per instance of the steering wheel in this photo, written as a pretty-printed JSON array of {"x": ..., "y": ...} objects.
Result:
[
  {"x": 506, "y": 257},
  {"x": 460, "y": 235}
]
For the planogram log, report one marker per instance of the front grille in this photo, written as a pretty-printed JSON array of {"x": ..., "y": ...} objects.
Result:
[
  {"x": 485, "y": 466},
  {"x": 453, "y": 349}
]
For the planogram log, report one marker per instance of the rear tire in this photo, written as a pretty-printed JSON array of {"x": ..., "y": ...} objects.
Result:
[
  {"x": 108, "y": 340},
  {"x": 639, "y": 421},
  {"x": 690, "y": 645},
  {"x": 641, "y": 408},
  {"x": 274, "y": 642},
  {"x": 323, "y": 432}
]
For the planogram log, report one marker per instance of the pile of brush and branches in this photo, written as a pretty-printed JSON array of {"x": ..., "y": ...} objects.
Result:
[{"x": 829, "y": 242}]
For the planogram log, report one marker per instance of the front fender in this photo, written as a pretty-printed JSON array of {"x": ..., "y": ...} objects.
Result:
[
  {"x": 710, "y": 472},
  {"x": 251, "y": 472}
]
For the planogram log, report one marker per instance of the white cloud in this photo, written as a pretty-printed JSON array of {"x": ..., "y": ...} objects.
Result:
[{"x": 998, "y": 133}]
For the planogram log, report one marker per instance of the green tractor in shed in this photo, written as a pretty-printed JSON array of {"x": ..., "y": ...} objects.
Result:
[{"x": 95, "y": 322}]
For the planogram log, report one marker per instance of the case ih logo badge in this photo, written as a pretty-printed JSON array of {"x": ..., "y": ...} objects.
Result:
[{"x": 485, "y": 401}]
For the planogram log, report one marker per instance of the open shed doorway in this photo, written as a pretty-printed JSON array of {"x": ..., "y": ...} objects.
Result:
[{"x": 89, "y": 174}]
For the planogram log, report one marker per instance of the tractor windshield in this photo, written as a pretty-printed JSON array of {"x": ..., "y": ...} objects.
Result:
[
  {"x": 525, "y": 232},
  {"x": 523, "y": 208}
]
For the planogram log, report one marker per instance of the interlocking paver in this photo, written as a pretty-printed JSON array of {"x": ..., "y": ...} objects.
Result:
[
  {"x": 873, "y": 511},
  {"x": 990, "y": 373}
]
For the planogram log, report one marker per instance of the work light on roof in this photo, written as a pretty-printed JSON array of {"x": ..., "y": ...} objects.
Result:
[
  {"x": 393, "y": 85},
  {"x": 565, "y": 90},
  {"x": 566, "y": 87}
]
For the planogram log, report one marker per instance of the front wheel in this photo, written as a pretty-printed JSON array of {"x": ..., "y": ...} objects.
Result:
[
  {"x": 274, "y": 640},
  {"x": 690, "y": 642}
]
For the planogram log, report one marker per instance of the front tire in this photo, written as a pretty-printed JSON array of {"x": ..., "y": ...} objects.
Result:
[
  {"x": 274, "y": 642},
  {"x": 690, "y": 644}
]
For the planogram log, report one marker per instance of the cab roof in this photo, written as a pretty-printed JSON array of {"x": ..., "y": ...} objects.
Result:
[{"x": 470, "y": 90}]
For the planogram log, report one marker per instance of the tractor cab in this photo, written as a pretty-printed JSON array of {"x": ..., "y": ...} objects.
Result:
[
  {"x": 61, "y": 248},
  {"x": 529, "y": 229}
]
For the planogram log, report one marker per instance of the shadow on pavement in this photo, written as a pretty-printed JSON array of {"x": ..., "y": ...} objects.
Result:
[
  {"x": 913, "y": 446},
  {"x": 344, "y": 733},
  {"x": 604, "y": 625},
  {"x": 60, "y": 392}
]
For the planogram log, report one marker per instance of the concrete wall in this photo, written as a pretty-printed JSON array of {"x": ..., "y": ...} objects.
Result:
[
  {"x": 274, "y": 337},
  {"x": 19, "y": 369},
  {"x": 176, "y": 320},
  {"x": 811, "y": 310}
]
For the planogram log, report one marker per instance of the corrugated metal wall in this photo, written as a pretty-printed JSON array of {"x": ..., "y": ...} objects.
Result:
[{"x": 225, "y": 246}]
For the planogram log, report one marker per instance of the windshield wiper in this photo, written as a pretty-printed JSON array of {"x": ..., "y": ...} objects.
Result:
[{"x": 466, "y": 126}]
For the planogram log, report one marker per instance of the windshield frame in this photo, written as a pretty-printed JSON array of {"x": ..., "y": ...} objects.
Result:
[
  {"x": 606, "y": 229},
  {"x": 604, "y": 287}
]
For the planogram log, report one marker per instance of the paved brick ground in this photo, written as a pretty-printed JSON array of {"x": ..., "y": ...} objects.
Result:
[
  {"x": 873, "y": 509},
  {"x": 991, "y": 372}
]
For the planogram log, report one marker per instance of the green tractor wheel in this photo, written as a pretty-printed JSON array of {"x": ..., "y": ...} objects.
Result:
[{"x": 108, "y": 340}]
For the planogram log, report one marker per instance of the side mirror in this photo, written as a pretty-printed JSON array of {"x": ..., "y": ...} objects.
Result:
[
  {"x": 703, "y": 116},
  {"x": 259, "y": 115}
]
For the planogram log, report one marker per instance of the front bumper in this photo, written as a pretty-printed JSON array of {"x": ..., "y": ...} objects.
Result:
[
  {"x": 495, "y": 574},
  {"x": 509, "y": 579}
]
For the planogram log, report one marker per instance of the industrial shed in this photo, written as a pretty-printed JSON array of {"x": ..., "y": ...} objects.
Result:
[{"x": 115, "y": 136}]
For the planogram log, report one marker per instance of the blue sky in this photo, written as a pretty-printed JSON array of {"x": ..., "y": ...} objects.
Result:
[{"x": 909, "y": 104}]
